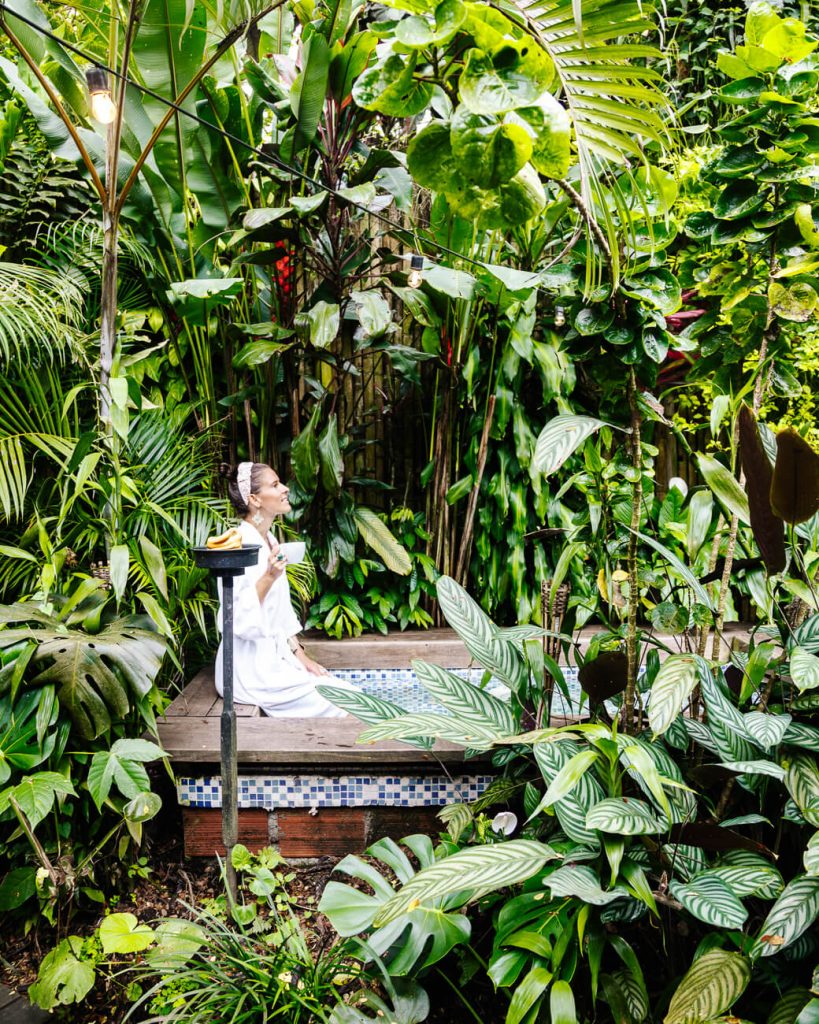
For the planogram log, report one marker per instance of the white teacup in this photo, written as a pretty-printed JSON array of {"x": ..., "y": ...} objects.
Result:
[{"x": 294, "y": 551}]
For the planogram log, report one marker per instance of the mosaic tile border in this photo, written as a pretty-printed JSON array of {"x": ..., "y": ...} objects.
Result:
[{"x": 272, "y": 792}]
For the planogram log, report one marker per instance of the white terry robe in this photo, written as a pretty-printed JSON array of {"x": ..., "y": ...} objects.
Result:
[{"x": 265, "y": 670}]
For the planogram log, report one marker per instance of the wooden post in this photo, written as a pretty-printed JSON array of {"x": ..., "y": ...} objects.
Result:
[{"x": 230, "y": 770}]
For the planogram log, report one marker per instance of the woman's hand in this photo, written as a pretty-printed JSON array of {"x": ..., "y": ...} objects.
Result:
[
  {"x": 312, "y": 667},
  {"x": 276, "y": 562}
]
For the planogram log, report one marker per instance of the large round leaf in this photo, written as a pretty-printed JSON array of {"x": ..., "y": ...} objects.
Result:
[
  {"x": 488, "y": 154},
  {"x": 659, "y": 288},
  {"x": 391, "y": 88},
  {"x": 521, "y": 199},
  {"x": 430, "y": 159},
  {"x": 549, "y": 121},
  {"x": 738, "y": 199},
  {"x": 513, "y": 75},
  {"x": 737, "y": 161},
  {"x": 796, "y": 302},
  {"x": 417, "y": 32}
]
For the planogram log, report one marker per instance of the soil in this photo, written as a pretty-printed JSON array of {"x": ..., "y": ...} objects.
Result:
[{"x": 173, "y": 885}]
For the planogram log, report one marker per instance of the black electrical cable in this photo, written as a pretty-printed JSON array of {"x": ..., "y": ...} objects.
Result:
[{"x": 260, "y": 153}]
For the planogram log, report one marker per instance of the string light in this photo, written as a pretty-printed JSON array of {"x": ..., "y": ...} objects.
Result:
[
  {"x": 103, "y": 107},
  {"x": 560, "y": 316},
  {"x": 416, "y": 275}
]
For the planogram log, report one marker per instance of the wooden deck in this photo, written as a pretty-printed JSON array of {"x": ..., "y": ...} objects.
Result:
[{"x": 189, "y": 732}]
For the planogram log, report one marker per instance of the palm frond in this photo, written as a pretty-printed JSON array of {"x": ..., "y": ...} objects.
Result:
[
  {"x": 40, "y": 312},
  {"x": 615, "y": 104}
]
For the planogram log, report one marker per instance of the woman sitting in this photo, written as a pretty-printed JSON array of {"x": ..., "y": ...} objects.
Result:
[{"x": 270, "y": 666}]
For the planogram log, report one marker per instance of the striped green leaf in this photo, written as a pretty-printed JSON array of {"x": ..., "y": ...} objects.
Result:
[
  {"x": 811, "y": 855},
  {"x": 800, "y": 735},
  {"x": 787, "y": 1008},
  {"x": 478, "y": 633},
  {"x": 681, "y": 569},
  {"x": 582, "y": 882},
  {"x": 806, "y": 636},
  {"x": 642, "y": 767},
  {"x": 804, "y": 669},
  {"x": 682, "y": 800},
  {"x": 802, "y": 782},
  {"x": 711, "y": 986},
  {"x": 368, "y": 708},
  {"x": 624, "y": 816},
  {"x": 634, "y": 994},
  {"x": 442, "y": 727},
  {"x": 465, "y": 700},
  {"x": 701, "y": 734},
  {"x": 671, "y": 688},
  {"x": 377, "y": 534},
  {"x": 765, "y": 729},
  {"x": 479, "y": 869},
  {"x": 571, "y": 809},
  {"x": 560, "y": 438},
  {"x": 792, "y": 914},
  {"x": 748, "y": 880},
  {"x": 755, "y": 768},
  {"x": 725, "y": 722},
  {"x": 688, "y": 861},
  {"x": 708, "y": 898},
  {"x": 567, "y": 778}
]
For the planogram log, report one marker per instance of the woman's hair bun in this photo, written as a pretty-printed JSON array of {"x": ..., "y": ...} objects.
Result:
[{"x": 226, "y": 470}]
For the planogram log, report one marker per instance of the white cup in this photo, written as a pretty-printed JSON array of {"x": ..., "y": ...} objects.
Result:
[{"x": 294, "y": 551}]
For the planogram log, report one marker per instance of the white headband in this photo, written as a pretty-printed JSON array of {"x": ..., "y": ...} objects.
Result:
[{"x": 243, "y": 480}]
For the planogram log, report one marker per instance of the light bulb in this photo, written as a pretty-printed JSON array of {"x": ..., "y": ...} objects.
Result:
[
  {"x": 416, "y": 275},
  {"x": 560, "y": 316},
  {"x": 103, "y": 108}
]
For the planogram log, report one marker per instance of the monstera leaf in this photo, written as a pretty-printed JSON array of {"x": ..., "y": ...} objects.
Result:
[{"x": 94, "y": 674}]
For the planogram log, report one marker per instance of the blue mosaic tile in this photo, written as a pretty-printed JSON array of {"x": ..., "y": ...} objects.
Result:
[{"x": 276, "y": 791}]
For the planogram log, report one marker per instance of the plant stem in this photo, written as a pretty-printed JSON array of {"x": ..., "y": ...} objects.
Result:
[
  {"x": 627, "y": 712},
  {"x": 42, "y": 856}
]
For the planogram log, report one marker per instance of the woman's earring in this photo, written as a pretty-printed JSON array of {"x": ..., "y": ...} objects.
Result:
[{"x": 257, "y": 518}]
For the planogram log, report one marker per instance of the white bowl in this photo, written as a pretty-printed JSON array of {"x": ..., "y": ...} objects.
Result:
[{"x": 294, "y": 551}]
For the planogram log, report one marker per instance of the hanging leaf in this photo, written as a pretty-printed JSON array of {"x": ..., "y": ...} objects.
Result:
[
  {"x": 330, "y": 457},
  {"x": 768, "y": 529},
  {"x": 304, "y": 454},
  {"x": 792, "y": 914},
  {"x": 560, "y": 438},
  {"x": 711, "y": 986},
  {"x": 377, "y": 534},
  {"x": 795, "y": 486},
  {"x": 725, "y": 487},
  {"x": 671, "y": 688},
  {"x": 323, "y": 321},
  {"x": 709, "y": 899}
]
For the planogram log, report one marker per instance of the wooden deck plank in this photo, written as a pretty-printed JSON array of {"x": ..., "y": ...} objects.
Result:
[
  {"x": 197, "y": 698},
  {"x": 291, "y": 742}
]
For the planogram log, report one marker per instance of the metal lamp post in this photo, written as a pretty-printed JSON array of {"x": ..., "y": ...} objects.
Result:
[{"x": 224, "y": 565}]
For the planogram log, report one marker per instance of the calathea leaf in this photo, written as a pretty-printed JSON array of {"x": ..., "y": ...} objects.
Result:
[
  {"x": 566, "y": 779},
  {"x": 623, "y": 816},
  {"x": 711, "y": 986},
  {"x": 479, "y": 870},
  {"x": 478, "y": 633},
  {"x": 800, "y": 735},
  {"x": 560, "y": 438},
  {"x": 377, "y": 534},
  {"x": 792, "y": 914},
  {"x": 570, "y": 809},
  {"x": 804, "y": 669},
  {"x": 802, "y": 782},
  {"x": 671, "y": 688},
  {"x": 466, "y": 701},
  {"x": 786, "y": 1010},
  {"x": 766, "y": 729},
  {"x": 711, "y": 900},
  {"x": 582, "y": 882},
  {"x": 807, "y": 635}
]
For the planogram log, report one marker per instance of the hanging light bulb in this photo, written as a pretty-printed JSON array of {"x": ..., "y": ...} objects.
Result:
[
  {"x": 416, "y": 275},
  {"x": 560, "y": 316},
  {"x": 103, "y": 108}
]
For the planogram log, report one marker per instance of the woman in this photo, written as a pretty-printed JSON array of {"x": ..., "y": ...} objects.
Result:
[{"x": 270, "y": 666}]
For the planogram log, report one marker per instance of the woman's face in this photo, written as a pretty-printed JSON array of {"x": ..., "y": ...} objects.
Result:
[{"x": 272, "y": 494}]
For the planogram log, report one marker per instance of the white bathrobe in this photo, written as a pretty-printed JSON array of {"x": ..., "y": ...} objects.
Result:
[{"x": 265, "y": 670}]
